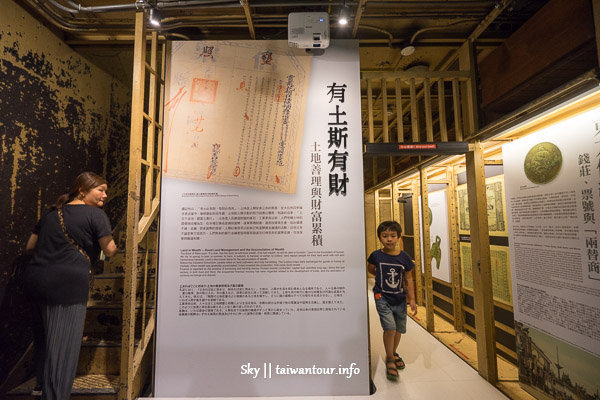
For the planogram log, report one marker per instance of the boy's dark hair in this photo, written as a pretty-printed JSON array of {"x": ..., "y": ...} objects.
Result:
[{"x": 389, "y": 226}]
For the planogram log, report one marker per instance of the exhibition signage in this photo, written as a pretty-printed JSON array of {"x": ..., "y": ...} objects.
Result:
[
  {"x": 439, "y": 237},
  {"x": 552, "y": 182},
  {"x": 262, "y": 284},
  {"x": 415, "y": 149}
]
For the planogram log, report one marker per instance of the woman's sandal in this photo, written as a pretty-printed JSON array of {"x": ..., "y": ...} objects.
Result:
[
  {"x": 399, "y": 361},
  {"x": 391, "y": 372}
]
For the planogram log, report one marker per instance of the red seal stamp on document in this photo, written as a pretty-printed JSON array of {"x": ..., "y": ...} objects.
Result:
[{"x": 204, "y": 91}]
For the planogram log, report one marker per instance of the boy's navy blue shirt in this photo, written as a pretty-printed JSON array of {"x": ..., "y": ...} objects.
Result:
[{"x": 389, "y": 275}]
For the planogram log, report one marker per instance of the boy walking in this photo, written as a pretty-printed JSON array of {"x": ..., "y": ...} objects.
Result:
[{"x": 392, "y": 269}]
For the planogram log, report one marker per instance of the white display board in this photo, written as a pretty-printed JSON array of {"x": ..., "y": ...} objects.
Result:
[
  {"x": 552, "y": 180},
  {"x": 263, "y": 292},
  {"x": 439, "y": 237}
]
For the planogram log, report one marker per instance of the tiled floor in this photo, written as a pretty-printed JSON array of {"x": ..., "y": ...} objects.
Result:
[{"x": 432, "y": 370}]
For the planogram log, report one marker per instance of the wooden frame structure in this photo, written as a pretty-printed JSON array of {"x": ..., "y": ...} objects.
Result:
[
  {"x": 427, "y": 128},
  {"x": 475, "y": 310},
  {"x": 143, "y": 205}
]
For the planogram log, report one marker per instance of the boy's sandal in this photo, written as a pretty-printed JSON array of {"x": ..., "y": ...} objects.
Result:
[
  {"x": 399, "y": 361},
  {"x": 391, "y": 372}
]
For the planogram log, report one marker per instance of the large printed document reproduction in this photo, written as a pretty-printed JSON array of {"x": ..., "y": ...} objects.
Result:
[
  {"x": 261, "y": 282},
  {"x": 494, "y": 190},
  {"x": 234, "y": 113},
  {"x": 501, "y": 286}
]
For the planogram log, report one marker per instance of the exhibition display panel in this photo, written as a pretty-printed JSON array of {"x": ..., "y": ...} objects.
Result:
[{"x": 262, "y": 291}]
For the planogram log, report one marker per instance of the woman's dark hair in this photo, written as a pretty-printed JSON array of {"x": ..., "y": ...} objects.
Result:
[
  {"x": 389, "y": 226},
  {"x": 85, "y": 182}
]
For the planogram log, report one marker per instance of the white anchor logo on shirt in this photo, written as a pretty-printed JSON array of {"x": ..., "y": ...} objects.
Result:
[{"x": 391, "y": 281}]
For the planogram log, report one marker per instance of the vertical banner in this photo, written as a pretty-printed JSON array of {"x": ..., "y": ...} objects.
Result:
[
  {"x": 553, "y": 203},
  {"x": 262, "y": 284}
]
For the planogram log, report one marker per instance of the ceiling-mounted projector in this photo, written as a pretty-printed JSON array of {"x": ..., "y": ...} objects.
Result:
[{"x": 308, "y": 30}]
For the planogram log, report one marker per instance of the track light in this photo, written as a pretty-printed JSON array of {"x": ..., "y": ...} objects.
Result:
[
  {"x": 154, "y": 17},
  {"x": 344, "y": 15}
]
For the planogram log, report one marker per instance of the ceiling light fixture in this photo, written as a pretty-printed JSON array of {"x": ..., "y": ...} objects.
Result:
[
  {"x": 344, "y": 15},
  {"x": 407, "y": 49},
  {"x": 154, "y": 17}
]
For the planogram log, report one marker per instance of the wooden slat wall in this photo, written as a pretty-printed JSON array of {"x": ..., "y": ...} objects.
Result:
[{"x": 421, "y": 105}]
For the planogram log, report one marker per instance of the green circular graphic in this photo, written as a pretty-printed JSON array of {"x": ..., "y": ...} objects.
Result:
[{"x": 543, "y": 163}]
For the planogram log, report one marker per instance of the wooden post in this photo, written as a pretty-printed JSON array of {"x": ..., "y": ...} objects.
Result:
[
  {"x": 467, "y": 63},
  {"x": 428, "y": 113},
  {"x": 457, "y": 114},
  {"x": 370, "y": 110},
  {"x": 399, "y": 112},
  {"x": 481, "y": 265},
  {"x": 386, "y": 122},
  {"x": 454, "y": 248},
  {"x": 417, "y": 240},
  {"x": 427, "y": 250},
  {"x": 384, "y": 111},
  {"x": 442, "y": 110},
  {"x": 414, "y": 112},
  {"x": 133, "y": 206}
]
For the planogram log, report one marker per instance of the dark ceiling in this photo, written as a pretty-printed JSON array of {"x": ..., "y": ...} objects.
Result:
[{"x": 101, "y": 29}]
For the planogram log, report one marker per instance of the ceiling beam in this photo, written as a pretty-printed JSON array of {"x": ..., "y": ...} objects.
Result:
[
  {"x": 246, "y": 6},
  {"x": 479, "y": 29},
  {"x": 483, "y": 25},
  {"x": 359, "y": 11}
]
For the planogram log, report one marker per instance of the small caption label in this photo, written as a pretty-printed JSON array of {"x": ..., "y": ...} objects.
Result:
[{"x": 267, "y": 370}]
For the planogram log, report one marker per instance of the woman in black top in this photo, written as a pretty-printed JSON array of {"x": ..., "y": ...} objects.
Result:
[{"x": 57, "y": 279}]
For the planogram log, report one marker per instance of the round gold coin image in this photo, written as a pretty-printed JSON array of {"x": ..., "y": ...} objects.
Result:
[{"x": 543, "y": 162}]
